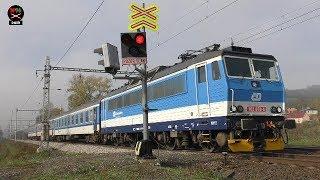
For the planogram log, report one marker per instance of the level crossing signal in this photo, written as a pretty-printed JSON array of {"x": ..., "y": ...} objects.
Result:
[
  {"x": 134, "y": 48},
  {"x": 110, "y": 57}
]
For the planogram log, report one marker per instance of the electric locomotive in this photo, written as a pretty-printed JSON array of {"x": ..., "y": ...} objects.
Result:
[
  {"x": 214, "y": 99},
  {"x": 217, "y": 99}
]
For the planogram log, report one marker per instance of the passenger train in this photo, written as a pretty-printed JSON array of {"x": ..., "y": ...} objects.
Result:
[{"x": 217, "y": 99}]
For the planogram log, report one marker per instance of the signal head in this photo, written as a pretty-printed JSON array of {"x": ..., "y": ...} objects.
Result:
[{"x": 140, "y": 39}]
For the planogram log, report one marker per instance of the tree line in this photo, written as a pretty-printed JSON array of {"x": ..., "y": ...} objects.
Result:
[{"x": 82, "y": 90}]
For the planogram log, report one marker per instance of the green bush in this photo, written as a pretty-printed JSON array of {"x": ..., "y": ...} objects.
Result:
[{"x": 306, "y": 134}]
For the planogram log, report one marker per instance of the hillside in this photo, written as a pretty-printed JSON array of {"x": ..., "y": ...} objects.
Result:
[{"x": 304, "y": 97}]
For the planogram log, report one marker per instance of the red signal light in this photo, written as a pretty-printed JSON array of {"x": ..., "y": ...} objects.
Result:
[{"x": 140, "y": 39}]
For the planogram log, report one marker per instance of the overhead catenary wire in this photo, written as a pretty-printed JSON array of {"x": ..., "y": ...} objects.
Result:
[
  {"x": 80, "y": 33},
  {"x": 67, "y": 50},
  {"x": 183, "y": 16},
  {"x": 194, "y": 24},
  {"x": 278, "y": 25},
  {"x": 33, "y": 92},
  {"x": 287, "y": 27},
  {"x": 270, "y": 20}
]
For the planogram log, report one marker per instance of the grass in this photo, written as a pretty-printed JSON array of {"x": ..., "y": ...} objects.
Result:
[
  {"x": 19, "y": 154},
  {"x": 306, "y": 134},
  {"x": 22, "y": 161}
]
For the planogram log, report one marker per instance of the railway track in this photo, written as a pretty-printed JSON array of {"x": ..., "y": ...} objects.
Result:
[
  {"x": 306, "y": 157},
  {"x": 298, "y": 156}
]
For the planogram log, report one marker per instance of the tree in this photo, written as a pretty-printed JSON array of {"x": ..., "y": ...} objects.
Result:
[
  {"x": 1, "y": 133},
  {"x": 54, "y": 111},
  {"x": 85, "y": 89}
]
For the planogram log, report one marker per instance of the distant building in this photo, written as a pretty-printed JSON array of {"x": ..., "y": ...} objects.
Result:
[
  {"x": 298, "y": 116},
  {"x": 290, "y": 110},
  {"x": 311, "y": 111}
]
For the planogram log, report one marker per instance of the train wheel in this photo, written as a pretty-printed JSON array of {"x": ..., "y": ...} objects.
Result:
[
  {"x": 173, "y": 144},
  {"x": 221, "y": 140}
]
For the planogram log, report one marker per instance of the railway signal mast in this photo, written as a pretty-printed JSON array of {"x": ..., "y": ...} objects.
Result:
[{"x": 134, "y": 52}]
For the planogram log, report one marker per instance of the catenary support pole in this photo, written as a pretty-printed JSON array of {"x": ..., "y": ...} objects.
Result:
[
  {"x": 16, "y": 126},
  {"x": 44, "y": 145}
]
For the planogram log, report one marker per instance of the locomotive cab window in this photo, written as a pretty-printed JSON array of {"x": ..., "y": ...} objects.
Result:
[
  {"x": 215, "y": 70},
  {"x": 201, "y": 71},
  {"x": 265, "y": 69},
  {"x": 238, "y": 67}
]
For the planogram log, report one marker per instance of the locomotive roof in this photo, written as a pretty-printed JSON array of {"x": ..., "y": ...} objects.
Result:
[{"x": 162, "y": 71}]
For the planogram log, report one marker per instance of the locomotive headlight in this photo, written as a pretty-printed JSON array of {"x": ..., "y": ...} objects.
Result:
[
  {"x": 233, "y": 108},
  {"x": 274, "y": 109},
  {"x": 240, "y": 109},
  {"x": 279, "y": 109}
]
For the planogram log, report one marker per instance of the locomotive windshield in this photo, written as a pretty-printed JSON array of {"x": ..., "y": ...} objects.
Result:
[
  {"x": 261, "y": 69},
  {"x": 238, "y": 67},
  {"x": 264, "y": 69}
]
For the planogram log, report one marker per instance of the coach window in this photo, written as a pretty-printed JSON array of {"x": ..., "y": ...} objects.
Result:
[
  {"x": 201, "y": 74},
  {"x": 215, "y": 71},
  {"x": 76, "y": 118},
  {"x": 81, "y": 117},
  {"x": 91, "y": 115},
  {"x": 87, "y": 116},
  {"x": 67, "y": 119},
  {"x": 94, "y": 114}
]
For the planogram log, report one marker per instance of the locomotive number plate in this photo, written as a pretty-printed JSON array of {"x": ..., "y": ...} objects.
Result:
[{"x": 256, "y": 109}]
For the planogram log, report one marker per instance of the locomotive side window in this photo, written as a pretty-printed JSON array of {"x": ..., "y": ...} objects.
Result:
[
  {"x": 264, "y": 69},
  {"x": 215, "y": 70},
  {"x": 201, "y": 71},
  {"x": 238, "y": 67},
  {"x": 164, "y": 89}
]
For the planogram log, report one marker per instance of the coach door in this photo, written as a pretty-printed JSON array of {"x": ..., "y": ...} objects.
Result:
[
  {"x": 202, "y": 95},
  {"x": 95, "y": 120}
]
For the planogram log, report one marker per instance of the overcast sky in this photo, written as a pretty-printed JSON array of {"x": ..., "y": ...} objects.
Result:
[{"x": 50, "y": 26}]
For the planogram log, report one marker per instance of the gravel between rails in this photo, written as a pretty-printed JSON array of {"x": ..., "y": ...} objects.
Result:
[{"x": 82, "y": 148}]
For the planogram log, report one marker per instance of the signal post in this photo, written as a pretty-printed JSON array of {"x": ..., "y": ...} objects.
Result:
[{"x": 134, "y": 52}]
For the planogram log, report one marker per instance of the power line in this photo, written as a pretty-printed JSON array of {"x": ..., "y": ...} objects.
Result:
[
  {"x": 82, "y": 30},
  {"x": 33, "y": 92},
  {"x": 271, "y": 20},
  {"x": 66, "y": 52},
  {"x": 275, "y": 26},
  {"x": 193, "y": 25},
  {"x": 279, "y": 30},
  {"x": 183, "y": 16}
]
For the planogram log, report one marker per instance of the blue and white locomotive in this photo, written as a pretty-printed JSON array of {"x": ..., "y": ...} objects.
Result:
[{"x": 230, "y": 98}]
